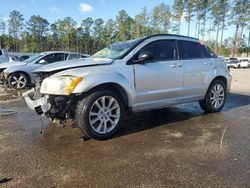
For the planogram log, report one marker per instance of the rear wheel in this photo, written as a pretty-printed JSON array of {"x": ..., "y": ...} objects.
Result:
[
  {"x": 18, "y": 81},
  {"x": 215, "y": 98},
  {"x": 99, "y": 115}
]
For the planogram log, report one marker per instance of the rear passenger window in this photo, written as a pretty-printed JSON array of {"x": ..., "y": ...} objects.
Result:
[
  {"x": 205, "y": 51},
  {"x": 189, "y": 50},
  {"x": 59, "y": 57},
  {"x": 74, "y": 56},
  {"x": 162, "y": 50}
]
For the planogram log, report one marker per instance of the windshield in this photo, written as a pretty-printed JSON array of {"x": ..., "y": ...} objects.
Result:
[
  {"x": 117, "y": 50},
  {"x": 33, "y": 58}
]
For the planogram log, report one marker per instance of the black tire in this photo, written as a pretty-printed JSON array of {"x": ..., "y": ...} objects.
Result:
[
  {"x": 82, "y": 114},
  {"x": 14, "y": 84},
  {"x": 206, "y": 104}
]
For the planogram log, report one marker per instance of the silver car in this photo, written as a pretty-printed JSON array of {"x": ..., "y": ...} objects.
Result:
[
  {"x": 4, "y": 56},
  {"x": 147, "y": 73},
  {"x": 19, "y": 75}
]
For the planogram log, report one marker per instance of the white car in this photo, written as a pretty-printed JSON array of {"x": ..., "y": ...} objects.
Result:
[
  {"x": 237, "y": 63},
  {"x": 243, "y": 63}
]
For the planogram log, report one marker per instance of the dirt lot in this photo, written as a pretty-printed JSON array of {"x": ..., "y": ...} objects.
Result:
[{"x": 173, "y": 147}]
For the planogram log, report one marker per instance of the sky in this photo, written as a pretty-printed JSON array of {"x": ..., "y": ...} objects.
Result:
[{"x": 53, "y": 10}]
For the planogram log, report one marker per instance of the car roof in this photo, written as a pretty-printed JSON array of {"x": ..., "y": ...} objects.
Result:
[
  {"x": 55, "y": 52},
  {"x": 171, "y": 35}
]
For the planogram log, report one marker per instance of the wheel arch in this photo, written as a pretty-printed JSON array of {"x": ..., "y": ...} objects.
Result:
[
  {"x": 115, "y": 87},
  {"x": 22, "y": 72},
  {"x": 220, "y": 77}
]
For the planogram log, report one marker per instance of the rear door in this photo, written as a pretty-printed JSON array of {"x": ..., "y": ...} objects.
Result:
[{"x": 197, "y": 65}]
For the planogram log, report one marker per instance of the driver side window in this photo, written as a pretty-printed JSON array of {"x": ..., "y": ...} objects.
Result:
[
  {"x": 49, "y": 58},
  {"x": 161, "y": 50}
]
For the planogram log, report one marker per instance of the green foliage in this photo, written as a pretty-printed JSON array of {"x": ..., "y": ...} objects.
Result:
[
  {"x": 177, "y": 14},
  {"x": 37, "y": 34}
]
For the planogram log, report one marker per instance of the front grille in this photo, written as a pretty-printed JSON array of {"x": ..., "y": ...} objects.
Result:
[{"x": 39, "y": 110}]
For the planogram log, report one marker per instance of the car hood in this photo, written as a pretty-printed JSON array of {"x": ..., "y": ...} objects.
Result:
[
  {"x": 64, "y": 65},
  {"x": 10, "y": 64}
]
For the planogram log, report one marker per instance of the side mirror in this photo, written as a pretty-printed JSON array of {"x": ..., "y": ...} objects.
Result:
[
  {"x": 42, "y": 61},
  {"x": 143, "y": 56}
]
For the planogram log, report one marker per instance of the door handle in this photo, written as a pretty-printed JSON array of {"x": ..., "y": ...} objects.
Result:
[
  {"x": 207, "y": 63},
  {"x": 176, "y": 66}
]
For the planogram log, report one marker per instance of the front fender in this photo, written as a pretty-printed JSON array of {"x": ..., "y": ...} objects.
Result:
[
  {"x": 24, "y": 69},
  {"x": 93, "y": 80}
]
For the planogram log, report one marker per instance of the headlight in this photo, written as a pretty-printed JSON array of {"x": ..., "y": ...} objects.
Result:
[{"x": 61, "y": 85}]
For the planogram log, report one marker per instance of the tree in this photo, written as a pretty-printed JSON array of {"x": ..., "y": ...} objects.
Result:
[
  {"x": 38, "y": 28},
  {"x": 15, "y": 24},
  {"x": 110, "y": 32},
  {"x": 160, "y": 20},
  {"x": 224, "y": 6},
  {"x": 67, "y": 32},
  {"x": 177, "y": 12},
  {"x": 98, "y": 32},
  {"x": 240, "y": 15},
  {"x": 216, "y": 13},
  {"x": 87, "y": 26},
  {"x": 123, "y": 21},
  {"x": 141, "y": 23},
  {"x": 201, "y": 11},
  {"x": 2, "y": 31},
  {"x": 189, "y": 8}
]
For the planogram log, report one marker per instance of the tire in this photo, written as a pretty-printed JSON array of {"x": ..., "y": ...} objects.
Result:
[
  {"x": 89, "y": 125},
  {"x": 18, "y": 81},
  {"x": 209, "y": 104}
]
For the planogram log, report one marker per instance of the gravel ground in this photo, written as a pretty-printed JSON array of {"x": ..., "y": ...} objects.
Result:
[{"x": 173, "y": 147}]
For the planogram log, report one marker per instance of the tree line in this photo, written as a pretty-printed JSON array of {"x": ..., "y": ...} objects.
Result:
[{"x": 210, "y": 17}]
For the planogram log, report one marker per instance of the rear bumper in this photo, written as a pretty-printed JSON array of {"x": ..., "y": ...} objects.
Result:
[
  {"x": 229, "y": 82},
  {"x": 41, "y": 106}
]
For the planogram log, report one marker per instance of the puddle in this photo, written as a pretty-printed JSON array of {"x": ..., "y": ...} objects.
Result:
[
  {"x": 9, "y": 95},
  {"x": 5, "y": 112}
]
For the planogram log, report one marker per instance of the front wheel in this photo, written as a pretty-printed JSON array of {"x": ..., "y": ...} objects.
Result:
[
  {"x": 18, "y": 81},
  {"x": 99, "y": 115},
  {"x": 215, "y": 98}
]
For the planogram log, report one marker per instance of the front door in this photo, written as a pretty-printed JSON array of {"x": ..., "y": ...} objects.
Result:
[{"x": 159, "y": 81}]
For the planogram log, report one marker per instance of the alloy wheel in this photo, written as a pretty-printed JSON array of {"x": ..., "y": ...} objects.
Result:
[
  {"x": 18, "y": 81},
  {"x": 217, "y": 96},
  {"x": 104, "y": 114}
]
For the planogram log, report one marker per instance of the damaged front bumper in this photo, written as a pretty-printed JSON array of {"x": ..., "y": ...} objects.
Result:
[
  {"x": 41, "y": 106},
  {"x": 57, "y": 108}
]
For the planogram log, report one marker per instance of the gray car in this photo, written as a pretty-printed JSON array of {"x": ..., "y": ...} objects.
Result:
[
  {"x": 147, "y": 73},
  {"x": 19, "y": 75}
]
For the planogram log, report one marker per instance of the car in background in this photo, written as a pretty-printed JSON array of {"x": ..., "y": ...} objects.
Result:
[
  {"x": 18, "y": 58},
  {"x": 232, "y": 62},
  {"x": 226, "y": 60},
  {"x": 4, "y": 56},
  {"x": 19, "y": 75},
  {"x": 237, "y": 63},
  {"x": 24, "y": 57},
  {"x": 243, "y": 63}
]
